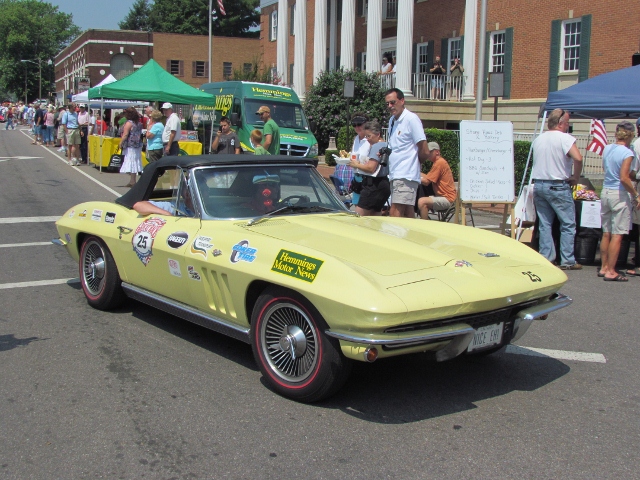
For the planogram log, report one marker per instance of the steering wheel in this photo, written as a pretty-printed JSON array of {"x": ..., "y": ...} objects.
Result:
[{"x": 301, "y": 199}]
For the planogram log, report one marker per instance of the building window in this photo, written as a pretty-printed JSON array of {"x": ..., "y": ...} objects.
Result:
[
  {"x": 422, "y": 58},
  {"x": 200, "y": 69},
  {"x": 227, "y": 70},
  {"x": 292, "y": 20},
  {"x": 247, "y": 67},
  {"x": 121, "y": 66},
  {"x": 174, "y": 67},
  {"x": 498, "y": 44},
  {"x": 454, "y": 50},
  {"x": 364, "y": 61},
  {"x": 273, "y": 31},
  {"x": 570, "y": 60}
]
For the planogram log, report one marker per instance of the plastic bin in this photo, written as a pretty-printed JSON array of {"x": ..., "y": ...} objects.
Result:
[{"x": 585, "y": 249}]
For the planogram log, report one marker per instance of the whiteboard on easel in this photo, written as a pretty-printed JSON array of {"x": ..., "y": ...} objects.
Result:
[{"x": 486, "y": 162}]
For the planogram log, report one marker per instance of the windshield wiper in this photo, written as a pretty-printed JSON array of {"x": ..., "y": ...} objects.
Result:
[{"x": 293, "y": 208}]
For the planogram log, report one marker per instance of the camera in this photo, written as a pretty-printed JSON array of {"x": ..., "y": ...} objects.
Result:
[{"x": 384, "y": 156}]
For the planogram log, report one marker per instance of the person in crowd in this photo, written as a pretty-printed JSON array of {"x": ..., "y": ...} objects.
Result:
[
  {"x": 456, "y": 71},
  {"x": 375, "y": 181},
  {"x": 100, "y": 127},
  {"x": 9, "y": 118},
  {"x": 408, "y": 144},
  {"x": 49, "y": 126},
  {"x": 155, "y": 128},
  {"x": 361, "y": 149},
  {"x": 30, "y": 115},
  {"x": 226, "y": 140},
  {"x": 38, "y": 121},
  {"x": 440, "y": 179},
  {"x": 387, "y": 64},
  {"x": 616, "y": 204},
  {"x": 270, "y": 131},
  {"x": 256, "y": 143},
  {"x": 83, "y": 127},
  {"x": 554, "y": 154},
  {"x": 70, "y": 122},
  {"x": 131, "y": 145},
  {"x": 172, "y": 130},
  {"x": 437, "y": 72},
  {"x": 634, "y": 235},
  {"x": 61, "y": 133}
]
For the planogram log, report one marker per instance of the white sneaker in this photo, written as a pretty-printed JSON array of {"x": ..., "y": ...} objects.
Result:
[{"x": 74, "y": 163}]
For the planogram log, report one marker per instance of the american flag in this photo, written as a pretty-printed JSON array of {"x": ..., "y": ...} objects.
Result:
[
  {"x": 221, "y": 8},
  {"x": 599, "y": 137}
]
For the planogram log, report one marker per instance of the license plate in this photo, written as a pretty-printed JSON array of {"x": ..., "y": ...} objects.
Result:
[{"x": 486, "y": 337}]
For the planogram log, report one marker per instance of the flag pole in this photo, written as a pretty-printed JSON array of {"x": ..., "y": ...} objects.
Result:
[{"x": 210, "y": 21}]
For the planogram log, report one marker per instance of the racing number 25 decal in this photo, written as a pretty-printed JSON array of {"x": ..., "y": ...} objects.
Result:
[{"x": 532, "y": 276}]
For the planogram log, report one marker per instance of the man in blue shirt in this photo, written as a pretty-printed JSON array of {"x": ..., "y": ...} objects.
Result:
[{"x": 70, "y": 122}]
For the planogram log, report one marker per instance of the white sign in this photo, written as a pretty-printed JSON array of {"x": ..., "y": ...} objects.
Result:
[
  {"x": 486, "y": 161},
  {"x": 590, "y": 216}
]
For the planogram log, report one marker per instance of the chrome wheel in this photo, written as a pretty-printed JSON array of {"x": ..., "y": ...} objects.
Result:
[
  {"x": 93, "y": 268},
  {"x": 289, "y": 341}
]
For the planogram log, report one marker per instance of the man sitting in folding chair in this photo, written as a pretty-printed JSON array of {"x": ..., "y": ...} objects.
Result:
[{"x": 438, "y": 187}]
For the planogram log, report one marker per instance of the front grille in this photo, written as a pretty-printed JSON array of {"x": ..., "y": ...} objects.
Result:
[
  {"x": 475, "y": 320},
  {"x": 293, "y": 150}
]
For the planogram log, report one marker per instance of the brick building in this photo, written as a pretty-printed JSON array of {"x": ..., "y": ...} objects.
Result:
[
  {"x": 539, "y": 47},
  {"x": 97, "y": 53}
]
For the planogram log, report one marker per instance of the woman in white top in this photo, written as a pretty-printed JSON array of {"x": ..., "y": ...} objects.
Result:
[{"x": 387, "y": 64}]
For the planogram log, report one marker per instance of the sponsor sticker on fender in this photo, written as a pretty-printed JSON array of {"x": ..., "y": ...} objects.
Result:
[
  {"x": 177, "y": 239},
  {"x": 83, "y": 214},
  {"x": 96, "y": 215},
  {"x": 297, "y": 266},
  {"x": 174, "y": 268},
  {"x": 241, "y": 251},
  {"x": 71, "y": 213},
  {"x": 144, "y": 236},
  {"x": 193, "y": 273},
  {"x": 200, "y": 246},
  {"x": 110, "y": 217}
]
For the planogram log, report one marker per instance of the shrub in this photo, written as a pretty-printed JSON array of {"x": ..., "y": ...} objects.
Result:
[
  {"x": 449, "y": 148},
  {"x": 325, "y": 105},
  {"x": 520, "y": 153},
  {"x": 328, "y": 157}
]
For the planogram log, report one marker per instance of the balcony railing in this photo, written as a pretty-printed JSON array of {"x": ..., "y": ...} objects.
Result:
[
  {"x": 388, "y": 81},
  {"x": 427, "y": 86}
]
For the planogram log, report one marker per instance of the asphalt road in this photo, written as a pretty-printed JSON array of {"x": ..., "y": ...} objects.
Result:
[{"x": 137, "y": 393}]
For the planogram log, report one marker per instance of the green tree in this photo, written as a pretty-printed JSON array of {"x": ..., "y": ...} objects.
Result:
[
  {"x": 326, "y": 106},
  {"x": 257, "y": 73},
  {"x": 189, "y": 17},
  {"x": 36, "y": 31},
  {"x": 138, "y": 17}
]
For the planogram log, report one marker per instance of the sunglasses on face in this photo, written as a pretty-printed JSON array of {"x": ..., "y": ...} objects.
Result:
[{"x": 391, "y": 102}]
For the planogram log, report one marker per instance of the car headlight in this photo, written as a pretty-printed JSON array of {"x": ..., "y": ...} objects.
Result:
[{"x": 313, "y": 151}]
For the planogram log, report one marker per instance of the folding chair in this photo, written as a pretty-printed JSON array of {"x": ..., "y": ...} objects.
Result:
[{"x": 341, "y": 190}]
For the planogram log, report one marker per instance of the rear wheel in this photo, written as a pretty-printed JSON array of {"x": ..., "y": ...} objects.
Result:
[
  {"x": 99, "y": 275},
  {"x": 295, "y": 356}
]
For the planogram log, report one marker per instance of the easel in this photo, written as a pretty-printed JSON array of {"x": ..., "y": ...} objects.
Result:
[{"x": 509, "y": 209}]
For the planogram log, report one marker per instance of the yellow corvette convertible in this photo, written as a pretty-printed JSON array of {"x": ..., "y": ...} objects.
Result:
[{"x": 261, "y": 249}]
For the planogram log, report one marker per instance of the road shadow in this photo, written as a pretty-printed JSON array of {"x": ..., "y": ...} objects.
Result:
[
  {"x": 217, "y": 343},
  {"x": 413, "y": 388},
  {"x": 9, "y": 342}
]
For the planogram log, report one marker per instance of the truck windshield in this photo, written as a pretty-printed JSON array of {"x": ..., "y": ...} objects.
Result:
[{"x": 286, "y": 115}]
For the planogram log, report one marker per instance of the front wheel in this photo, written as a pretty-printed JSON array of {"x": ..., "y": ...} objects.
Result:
[
  {"x": 99, "y": 275},
  {"x": 295, "y": 356}
]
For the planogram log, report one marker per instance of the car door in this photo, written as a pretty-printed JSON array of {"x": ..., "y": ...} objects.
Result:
[{"x": 154, "y": 245}]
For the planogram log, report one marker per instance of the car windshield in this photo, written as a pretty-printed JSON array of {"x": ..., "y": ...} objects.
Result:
[
  {"x": 286, "y": 115},
  {"x": 251, "y": 191}
]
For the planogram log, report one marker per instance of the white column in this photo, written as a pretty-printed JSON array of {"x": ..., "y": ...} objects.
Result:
[
  {"x": 333, "y": 34},
  {"x": 283, "y": 41},
  {"x": 347, "y": 34},
  {"x": 469, "y": 53},
  {"x": 374, "y": 36},
  {"x": 300, "y": 50},
  {"x": 319, "y": 38},
  {"x": 405, "y": 45}
]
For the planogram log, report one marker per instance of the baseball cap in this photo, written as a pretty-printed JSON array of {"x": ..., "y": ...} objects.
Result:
[
  {"x": 263, "y": 109},
  {"x": 625, "y": 125},
  {"x": 358, "y": 119},
  {"x": 433, "y": 146},
  {"x": 166, "y": 105},
  {"x": 82, "y": 105}
]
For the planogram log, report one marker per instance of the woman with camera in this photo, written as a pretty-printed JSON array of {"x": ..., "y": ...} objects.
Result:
[{"x": 375, "y": 181}]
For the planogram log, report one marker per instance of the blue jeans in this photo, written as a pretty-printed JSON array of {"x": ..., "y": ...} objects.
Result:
[
  {"x": 551, "y": 200},
  {"x": 9, "y": 124}
]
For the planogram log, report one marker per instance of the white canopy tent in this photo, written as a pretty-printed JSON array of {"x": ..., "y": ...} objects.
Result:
[{"x": 95, "y": 103}]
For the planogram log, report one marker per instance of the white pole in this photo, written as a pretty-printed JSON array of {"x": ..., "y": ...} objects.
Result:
[
  {"x": 210, "y": 21},
  {"x": 101, "y": 131},
  {"x": 481, "y": 58}
]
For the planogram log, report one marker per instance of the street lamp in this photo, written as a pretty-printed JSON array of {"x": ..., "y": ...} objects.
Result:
[{"x": 39, "y": 62}]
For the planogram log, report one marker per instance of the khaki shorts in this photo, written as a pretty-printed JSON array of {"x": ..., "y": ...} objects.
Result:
[
  {"x": 61, "y": 133},
  {"x": 440, "y": 204},
  {"x": 73, "y": 137},
  {"x": 615, "y": 211},
  {"x": 404, "y": 192}
]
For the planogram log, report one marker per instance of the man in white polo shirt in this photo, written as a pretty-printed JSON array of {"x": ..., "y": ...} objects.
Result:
[
  {"x": 408, "y": 145},
  {"x": 172, "y": 131}
]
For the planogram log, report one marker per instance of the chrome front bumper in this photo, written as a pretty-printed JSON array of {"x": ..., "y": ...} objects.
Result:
[{"x": 459, "y": 335}]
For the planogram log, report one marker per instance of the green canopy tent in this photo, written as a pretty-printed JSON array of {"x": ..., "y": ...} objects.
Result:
[{"x": 151, "y": 83}]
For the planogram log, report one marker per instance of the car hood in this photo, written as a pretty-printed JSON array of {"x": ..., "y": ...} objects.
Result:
[{"x": 390, "y": 246}]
